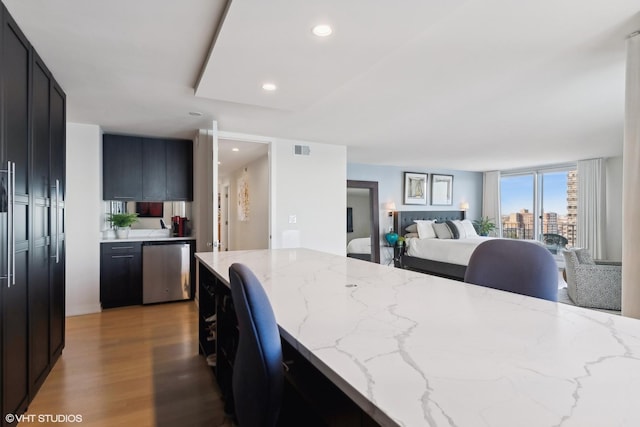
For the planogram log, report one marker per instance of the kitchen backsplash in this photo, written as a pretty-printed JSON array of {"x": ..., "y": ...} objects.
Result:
[{"x": 169, "y": 210}]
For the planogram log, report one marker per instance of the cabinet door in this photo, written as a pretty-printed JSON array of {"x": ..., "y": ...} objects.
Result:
[
  {"x": 120, "y": 275},
  {"x": 179, "y": 169},
  {"x": 39, "y": 231},
  {"x": 56, "y": 219},
  {"x": 154, "y": 170},
  {"x": 122, "y": 168},
  {"x": 15, "y": 63}
]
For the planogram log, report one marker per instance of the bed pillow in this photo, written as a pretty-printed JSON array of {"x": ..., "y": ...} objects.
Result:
[
  {"x": 453, "y": 228},
  {"x": 462, "y": 233},
  {"x": 469, "y": 229},
  {"x": 425, "y": 229},
  {"x": 412, "y": 236},
  {"x": 442, "y": 230},
  {"x": 413, "y": 228}
]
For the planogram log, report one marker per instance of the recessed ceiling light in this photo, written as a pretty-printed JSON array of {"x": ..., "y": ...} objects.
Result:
[
  {"x": 269, "y": 87},
  {"x": 235, "y": 149},
  {"x": 195, "y": 113},
  {"x": 322, "y": 30}
]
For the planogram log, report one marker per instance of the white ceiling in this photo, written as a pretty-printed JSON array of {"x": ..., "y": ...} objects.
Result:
[{"x": 473, "y": 85}]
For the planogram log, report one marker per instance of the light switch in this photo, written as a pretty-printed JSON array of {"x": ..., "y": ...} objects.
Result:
[{"x": 293, "y": 219}]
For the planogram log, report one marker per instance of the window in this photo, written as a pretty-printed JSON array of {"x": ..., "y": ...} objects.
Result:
[{"x": 540, "y": 204}]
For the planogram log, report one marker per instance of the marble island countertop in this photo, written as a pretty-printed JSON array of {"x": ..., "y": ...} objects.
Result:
[{"x": 419, "y": 350}]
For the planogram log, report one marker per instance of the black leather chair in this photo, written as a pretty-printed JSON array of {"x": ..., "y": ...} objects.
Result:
[
  {"x": 515, "y": 266},
  {"x": 258, "y": 375}
]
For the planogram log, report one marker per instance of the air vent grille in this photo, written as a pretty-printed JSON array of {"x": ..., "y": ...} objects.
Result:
[{"x": 302, "y": 150}]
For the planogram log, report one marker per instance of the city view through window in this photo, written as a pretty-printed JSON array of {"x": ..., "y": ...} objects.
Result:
[{"x": 542, "y": 206}]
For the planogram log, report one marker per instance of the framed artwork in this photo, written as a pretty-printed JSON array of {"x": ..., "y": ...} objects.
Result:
[
  {"x": 441, "y": 189},
  {"x": 415, "y": 188}
]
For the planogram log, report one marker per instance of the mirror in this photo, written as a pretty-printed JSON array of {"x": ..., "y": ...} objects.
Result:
[{"x": 363, "y": 225}]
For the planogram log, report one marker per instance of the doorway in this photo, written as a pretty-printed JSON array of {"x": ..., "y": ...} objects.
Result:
[
  {"x": 243, "y": 188},
  {"x": 363, "y": 224}
]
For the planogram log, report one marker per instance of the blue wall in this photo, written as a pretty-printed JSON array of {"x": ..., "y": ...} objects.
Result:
[{"x": 467, "y": 187}]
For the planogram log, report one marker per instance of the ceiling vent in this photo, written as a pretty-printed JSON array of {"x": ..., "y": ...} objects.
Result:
[{"x": 301, "y": 150}]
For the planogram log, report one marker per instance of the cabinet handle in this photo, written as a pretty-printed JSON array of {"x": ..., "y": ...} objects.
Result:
[
  {"x": 121, "y": 247},
  {"x": 13, "y": 222},
  {"x": 123, "y": 197},
  {"x": 57, "y": 255},
  {"x": 9, "y": 222},
  {"x": 121, "y": 256}
]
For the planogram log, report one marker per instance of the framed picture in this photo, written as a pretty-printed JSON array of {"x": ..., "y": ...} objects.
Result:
[
  {"x": 441, "y": 189},
  {"x": 415, "y": 188}
]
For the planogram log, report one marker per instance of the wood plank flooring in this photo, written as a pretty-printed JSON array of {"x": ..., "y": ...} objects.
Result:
[{"x": 133, "y": 366}]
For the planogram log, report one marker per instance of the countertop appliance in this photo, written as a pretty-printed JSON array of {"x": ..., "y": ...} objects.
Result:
[{"x": 165, "y": 271}]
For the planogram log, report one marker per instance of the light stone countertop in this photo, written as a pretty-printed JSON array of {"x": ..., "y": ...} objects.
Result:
[
  {"x": 418, "y": 350},
  {"x": 142, "y": 235}
]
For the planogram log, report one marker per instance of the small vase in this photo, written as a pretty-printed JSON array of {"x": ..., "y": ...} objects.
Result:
[
  {"x": 392, "y": 238},
  {"x": 122, "y": 232}
]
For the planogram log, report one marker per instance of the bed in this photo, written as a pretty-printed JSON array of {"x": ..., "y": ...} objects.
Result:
[
  {"x": 440, "y": 257},
  {"x": 360, "y": 248}
]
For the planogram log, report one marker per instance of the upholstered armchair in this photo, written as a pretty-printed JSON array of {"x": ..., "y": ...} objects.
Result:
[{"x": 590, "y": 284}]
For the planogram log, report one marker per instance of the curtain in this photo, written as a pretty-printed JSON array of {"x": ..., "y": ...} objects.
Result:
[
  {"x": 491, "y": 198},
  {"x": 591, "y": 207},
  {"x": 630, "y": 184}
]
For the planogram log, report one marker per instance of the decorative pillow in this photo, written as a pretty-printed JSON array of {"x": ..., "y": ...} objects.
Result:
[
  {"x": 413, "y": 228},
  {"x": 442, "y": 230},
  {"x": 455, "y": 234},
  {"x": 469, "y": 229},
  {"x": 425, "y": 229},
  {"x": 462, "y": 233},
  {"x": 584, "y": 256}
]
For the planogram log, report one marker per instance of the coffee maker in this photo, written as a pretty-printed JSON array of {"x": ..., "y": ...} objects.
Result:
[{"x": 180, "y": 226}]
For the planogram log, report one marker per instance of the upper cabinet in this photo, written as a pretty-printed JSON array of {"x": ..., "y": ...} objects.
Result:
[
  {"x": 147, "y": 169},
  {"x": 179, "y": 170}
]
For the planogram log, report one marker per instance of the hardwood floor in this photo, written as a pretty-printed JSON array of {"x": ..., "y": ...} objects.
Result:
[{"x": 133, "y": 366}]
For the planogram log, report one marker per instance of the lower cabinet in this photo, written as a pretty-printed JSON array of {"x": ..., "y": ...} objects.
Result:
[{"x": 120, "y": 274}]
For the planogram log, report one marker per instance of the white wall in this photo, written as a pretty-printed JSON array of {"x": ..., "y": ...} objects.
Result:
[
  {"x": 253, "y": 233},
  {"x": 83, "y": 218},
  {"x": 467, "y": 187},
  {"x": 614, "y": 208},
  {"x": 313, "y": 189}
]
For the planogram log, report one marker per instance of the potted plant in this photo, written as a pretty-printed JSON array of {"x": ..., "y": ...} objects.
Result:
[
  {"x": 484, "y": 226},
  {"x": 122, "y": 223}
]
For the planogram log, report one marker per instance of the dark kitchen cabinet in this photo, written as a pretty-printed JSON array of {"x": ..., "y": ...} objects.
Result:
[
  {"x": 32, "y": 129},
  {"x": 154, "y": 171},
  {"x": 179, "y": 169},
  {"x": 39, "y": 291},
  {"x": 120, "y": 274},
  {"x": 56, "y": 221},
  {"x": 14, "y": 161},
  {"x": 121, "y": 168}
]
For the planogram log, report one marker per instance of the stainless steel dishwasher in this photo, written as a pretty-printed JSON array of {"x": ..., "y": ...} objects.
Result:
[{"x": 165, "y": 271}]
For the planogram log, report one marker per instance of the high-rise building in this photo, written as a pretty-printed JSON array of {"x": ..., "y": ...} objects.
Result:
[{"x": 572, "y": 206}]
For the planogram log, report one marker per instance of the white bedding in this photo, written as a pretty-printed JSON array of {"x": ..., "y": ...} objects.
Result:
[
  {"x": 452, "y": 251},
  {"x": 361, "y": 245}
]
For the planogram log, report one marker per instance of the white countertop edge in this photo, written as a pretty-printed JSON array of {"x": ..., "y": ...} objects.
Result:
[{"x": 146, "y": 239}]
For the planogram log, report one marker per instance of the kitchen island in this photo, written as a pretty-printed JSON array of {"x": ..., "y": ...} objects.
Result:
[{"x": 417, "y": 350}]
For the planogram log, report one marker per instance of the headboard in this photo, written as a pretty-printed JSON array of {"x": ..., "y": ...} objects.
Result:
[{"x": 403, "y": 219}]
